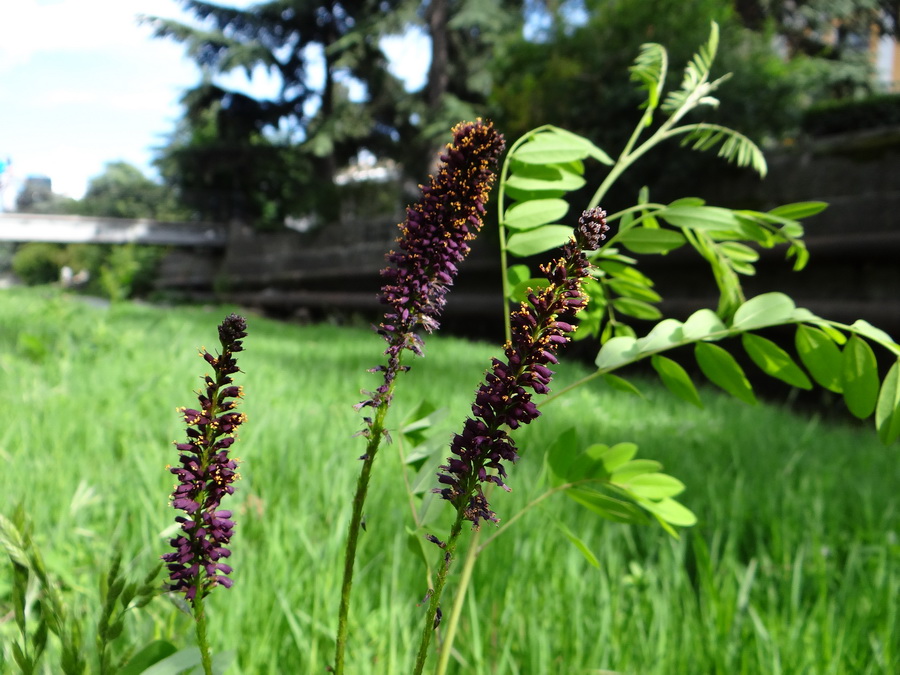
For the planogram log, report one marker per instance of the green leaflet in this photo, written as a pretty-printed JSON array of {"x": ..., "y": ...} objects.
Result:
[
  {"x": 768, "y": 309},
  {"x": 532, "y": 214},
  {"x": 712, "y": 218},
  {"x": 722, "y": 370},
  {"x": 887, "y": 410},
  {"x": 859, "y": 377},
  {"x": 531, "y": 242},
  {"x": 650, "y": 240},
  {"x": 676, "y": 379},
  {"x": 799, "y": 210},
  {"x": 820, "y": 355},
  {"x": 774, "y": 361}
]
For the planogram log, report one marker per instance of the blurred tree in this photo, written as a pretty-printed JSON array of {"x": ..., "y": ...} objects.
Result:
[
  {"x": 832, "y": 39},
  {"x": 237, "y": 156},
  {"x": 232, "y": 149},
  {"x": 572, "y": 72},
  {"x": 122, "y": 191}
]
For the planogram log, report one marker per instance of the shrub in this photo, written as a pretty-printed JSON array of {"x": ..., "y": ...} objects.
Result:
[
  {"x": 38, "y": 263},
  {"x": 835, "y": 117}
]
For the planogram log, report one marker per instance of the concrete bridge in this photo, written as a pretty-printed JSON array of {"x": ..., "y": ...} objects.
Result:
[{"x": 25, "y": 227}]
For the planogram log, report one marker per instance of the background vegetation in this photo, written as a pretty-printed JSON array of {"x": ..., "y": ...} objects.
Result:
[{"x": 793, "y": 566}]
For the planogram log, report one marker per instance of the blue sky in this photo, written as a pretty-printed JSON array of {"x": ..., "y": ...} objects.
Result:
[{"x": 83, "y": 84}]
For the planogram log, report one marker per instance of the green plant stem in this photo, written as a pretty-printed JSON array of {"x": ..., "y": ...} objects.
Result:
[
  {"x": 459, "y": 602},
  {"x": 202, "y": 641},
  {"x": 436, "y": 592},
  {"x": 359, "y": 499},
  {"x": 465, "y": 579},
  {"x": 501, "y": 218}
]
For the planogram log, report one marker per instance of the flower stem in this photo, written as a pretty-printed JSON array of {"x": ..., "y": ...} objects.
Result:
[
  {"x": 359, "y": 499},
  {"x": 436, "y": 592},
  {"x": 202, "y": 641},
  {"x": 458, "y": 602}
]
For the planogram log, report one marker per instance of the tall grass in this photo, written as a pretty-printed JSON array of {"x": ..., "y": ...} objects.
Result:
[{"x": 792, "y": 568}]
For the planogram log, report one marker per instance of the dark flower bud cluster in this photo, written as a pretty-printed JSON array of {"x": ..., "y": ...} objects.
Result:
[
  {"x": 206, "y": 473},
  {"x": 433, "y": 240},
  {"x": 504, "y": 399}
]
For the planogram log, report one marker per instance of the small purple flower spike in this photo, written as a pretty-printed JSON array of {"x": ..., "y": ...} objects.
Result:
[
  {"x": 433, "y": 240},
  {"x": 206, "y": 473},
  {"x": 504, "y": 400}
]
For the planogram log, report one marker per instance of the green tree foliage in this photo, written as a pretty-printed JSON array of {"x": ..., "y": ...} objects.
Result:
[
  {"x": 571, "y": 75},
  {"x": 122, "y": 191},
  {"x": 235, "y": 156},
  {"x": 831, "y": 38}
]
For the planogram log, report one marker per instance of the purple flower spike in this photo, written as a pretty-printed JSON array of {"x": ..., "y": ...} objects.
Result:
[
  {"x": 433, "y": 240},
  {"x": 504, "y": 400},
  {"x": 206, "y": 473}
]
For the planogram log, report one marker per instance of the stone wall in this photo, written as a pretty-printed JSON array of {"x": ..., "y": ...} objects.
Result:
[{"x": 854, "y": 270}]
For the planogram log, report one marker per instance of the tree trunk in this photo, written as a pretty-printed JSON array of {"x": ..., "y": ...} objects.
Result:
[{"x": 438, "y": 75}]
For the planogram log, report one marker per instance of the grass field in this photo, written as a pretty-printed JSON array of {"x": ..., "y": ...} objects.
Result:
[{"x": 794, "y": 566}]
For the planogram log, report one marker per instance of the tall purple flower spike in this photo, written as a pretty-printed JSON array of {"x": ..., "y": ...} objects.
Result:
[
  {"x": 206, "y": 473},
  {"x": 504, "y": 399},
  {"x": 433, "y": 240}
]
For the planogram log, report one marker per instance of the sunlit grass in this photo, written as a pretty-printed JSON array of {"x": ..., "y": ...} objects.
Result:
[{"x": 792, "y": 568}]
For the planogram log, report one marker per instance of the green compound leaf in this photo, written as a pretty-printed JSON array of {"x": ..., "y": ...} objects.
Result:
[
  {"x": 531, "y": 214},
  {"x": 887, "y": 411},
  {"x": 722, "y": 370},
  {"x": 859, "y": 377},
  {"x": 774, "y": 361},
  {"x": 676, "y": 379},
  {"x": 768, "y": 309},
  {"x": 532, "y": 242},
  {"x": 650, "y": 240},
  {"x": 821, "y": 356}
]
